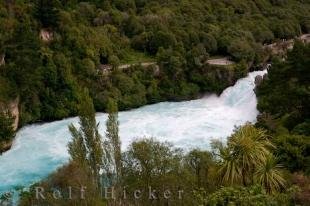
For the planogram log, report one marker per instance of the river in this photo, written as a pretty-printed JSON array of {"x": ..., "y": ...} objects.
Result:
[{"x": 40, "y": 149}]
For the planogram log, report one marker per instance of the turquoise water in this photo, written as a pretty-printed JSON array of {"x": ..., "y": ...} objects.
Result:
[{"x": 38, "y": 150}]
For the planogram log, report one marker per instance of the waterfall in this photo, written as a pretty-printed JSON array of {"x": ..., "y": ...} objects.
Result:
[{"x": 40, "y": 149}]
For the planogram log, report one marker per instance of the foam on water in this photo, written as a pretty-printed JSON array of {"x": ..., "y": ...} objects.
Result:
[{"x": 39, "y": 150}]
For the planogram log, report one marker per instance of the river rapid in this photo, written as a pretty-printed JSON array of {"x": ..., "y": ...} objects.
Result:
[{"x": 40, "y": 149}]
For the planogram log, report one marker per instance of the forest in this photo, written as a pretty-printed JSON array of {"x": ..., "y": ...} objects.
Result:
[
  {"x": 50, "y": 50},
  {"x": 53, "y": 59}
]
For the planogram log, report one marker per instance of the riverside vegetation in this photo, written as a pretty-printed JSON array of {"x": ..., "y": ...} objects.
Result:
[
  {"x": 262, "y": 164},
  {"x": 51, "y": 49}
]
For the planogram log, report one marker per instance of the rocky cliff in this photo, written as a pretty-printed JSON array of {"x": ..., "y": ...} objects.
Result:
[{"x": 13, "y": 108}]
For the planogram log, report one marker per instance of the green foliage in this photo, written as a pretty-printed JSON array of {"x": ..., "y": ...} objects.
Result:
[
  {"x": 153, "y": 159},
  {"x": 269, "y": 175},
  {"x": 247, "y": 158},
  {"x": 131, "y": 91},
  {"x": 7, "y": 90},
  {"x": 241, "y": 50},
  {"x": 302, "y": 128},
  {"x": 149, "y": 163},
  {"x": 154, "y": 167},
  {"x": 286, "y": 91},
  {"x": 114, "y": 139},
  {"x": 133, "y": 26},
  {"x": 114, "y": 61},
  {"x": 135, "y": 57},
  {"x": 240, "y": 69},
  {"x": 200, "y": 164},
  {"x": 86, "y": 149},
  {"x": 284, "y": 95},
  {"x": 46, "y": 12},
  {"x": 245, "y": 196},
  {"x": 6, "y": 127},
  {"x": 161, "y": 39},
  {"x": 85, "y": 35},
  {"x": 180, "y": 35},
  {"x": 75, "y": 176},
  {"x": 293, "y": 152}
]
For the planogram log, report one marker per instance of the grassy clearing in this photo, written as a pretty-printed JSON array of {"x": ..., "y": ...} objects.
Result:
[{"x": 134, "y": 57}]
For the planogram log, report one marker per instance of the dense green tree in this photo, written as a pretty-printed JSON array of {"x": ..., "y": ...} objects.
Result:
[
  {"x": 23, "y": 69},
  {"x": 278, "y": 2},
  {"x": 114, "y": 61},
  {"x": 114, "y": 139},
  {"x": 161, "y": 39},
  {"x": 262, "y": 34},
  {"x": 141, "y": 42},
  {"x": 283, "y": 97},
  {"x": 245, "y": 196},
  {"x": 285, "y": 93},
  {"x": 200, "y": 162},
  {"x": 6, "y": 127},
  {"x": 285, "y": 29},
  {"x": 293, "y": 152},
  {"x": 73, "y": 175},
  {"x": 149, "y": 163},
  {"x": 121, "y": 5},
  {"x": 209, "y": 42},
  {"x": 133, "y": 26},
  {"x": 241, "y": 50},
  {"x": 47, "y": 13}
]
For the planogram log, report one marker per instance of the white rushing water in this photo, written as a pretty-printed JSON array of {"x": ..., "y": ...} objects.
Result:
[{"x": 40, "y": 149}]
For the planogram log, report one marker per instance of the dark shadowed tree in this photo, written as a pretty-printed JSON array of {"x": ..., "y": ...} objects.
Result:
[
  {"x": 86, "y": 147},
  {"x": 6, "y": 127},
  {"x": 47, "y": 13}
]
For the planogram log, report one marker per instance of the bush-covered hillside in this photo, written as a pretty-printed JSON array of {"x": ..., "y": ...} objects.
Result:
[
  {"x": 51, "y": 49},
  {"x": 284, "y": 102}
]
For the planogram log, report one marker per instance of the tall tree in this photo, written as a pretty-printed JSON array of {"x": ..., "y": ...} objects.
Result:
[
  {"x": 113, "y": 137},
  {"x": 200, "y": 163},
  {"x": 86, "y": 147}
]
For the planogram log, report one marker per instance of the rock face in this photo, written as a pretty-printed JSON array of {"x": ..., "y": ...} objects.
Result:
[
  {"x": 281, "y": 47},
  {"x": 46, "y": 35},
  {"x": 258, "y": 80},
  {"x": 13, "y": 108},
  {"x": 2, "y": 59},
  {"x": 218, "y": 77}
]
